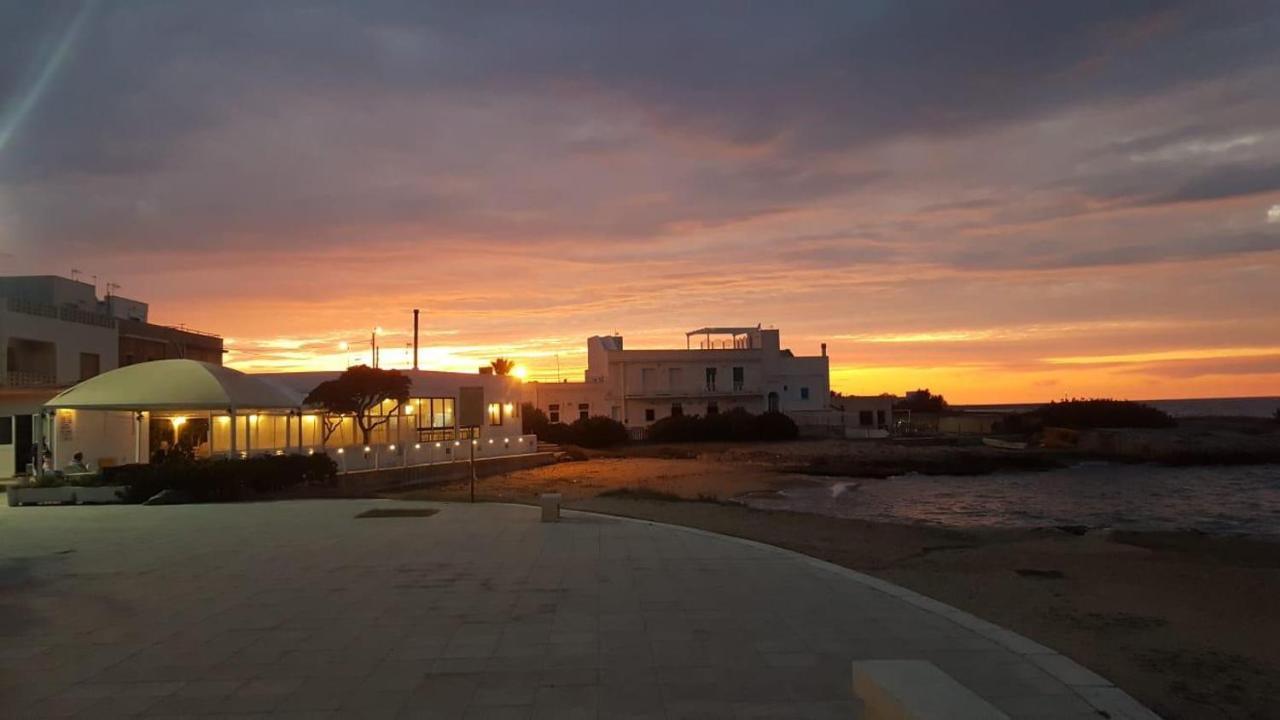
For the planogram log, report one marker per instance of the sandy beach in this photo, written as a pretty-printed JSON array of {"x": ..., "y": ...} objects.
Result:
[{"x": 1183, "y": 621}]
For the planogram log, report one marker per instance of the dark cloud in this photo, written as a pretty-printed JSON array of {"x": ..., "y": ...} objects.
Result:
[
  {"x": 1065, "y": 254},
  {"x": 175, "y": 123},
  {"x": 1223, "y": 182},
  {"x": 1189, "y": 369}
]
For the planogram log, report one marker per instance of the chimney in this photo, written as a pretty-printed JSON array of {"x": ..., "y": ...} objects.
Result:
[
  {"x": 415, "y": 338},
  {"x": 824, "y": 349}
]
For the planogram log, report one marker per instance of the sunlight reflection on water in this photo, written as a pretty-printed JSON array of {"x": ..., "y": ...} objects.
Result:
[{"x": 1212, "y": 499}]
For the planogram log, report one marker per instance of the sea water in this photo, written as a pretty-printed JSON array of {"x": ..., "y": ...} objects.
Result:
[{"x": 1213, "y": 499}]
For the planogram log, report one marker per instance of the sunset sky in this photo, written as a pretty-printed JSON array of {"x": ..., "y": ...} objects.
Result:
[{"x": 1001, "y": 201}]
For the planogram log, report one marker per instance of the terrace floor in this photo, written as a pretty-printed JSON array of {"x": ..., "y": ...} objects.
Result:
[{"x": 301, "y": 609}]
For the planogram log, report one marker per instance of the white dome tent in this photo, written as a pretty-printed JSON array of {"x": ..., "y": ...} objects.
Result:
[
  {"x": 92, "y": 416},
  {"x": 206, "y": 411}
]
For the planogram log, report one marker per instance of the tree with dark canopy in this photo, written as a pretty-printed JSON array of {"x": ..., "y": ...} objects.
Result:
[
  {"x": 502, "y": 366},
  {"x": 359, "y": 392}
]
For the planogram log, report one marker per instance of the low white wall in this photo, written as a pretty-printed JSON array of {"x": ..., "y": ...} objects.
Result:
[{"x": 355, "y": 458}]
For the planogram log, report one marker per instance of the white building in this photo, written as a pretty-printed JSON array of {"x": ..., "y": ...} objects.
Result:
[
  {"x": 205, "y": 410},
  {"x": 730, "y": 367}
]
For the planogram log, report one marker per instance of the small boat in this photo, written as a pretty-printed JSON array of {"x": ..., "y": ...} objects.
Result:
[{"x": 1003, "y": 444}]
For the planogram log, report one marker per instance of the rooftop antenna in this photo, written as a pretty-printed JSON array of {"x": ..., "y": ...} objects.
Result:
[{"x": 112, "y": 287}]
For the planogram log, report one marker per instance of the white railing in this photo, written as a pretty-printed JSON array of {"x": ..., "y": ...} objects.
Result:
[
  {"x": 23, "y": 378},
  {"x": 385, "y": 456}
]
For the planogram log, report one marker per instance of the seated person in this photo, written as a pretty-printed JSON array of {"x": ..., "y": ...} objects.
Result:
[{"x": 76, "y": 465}]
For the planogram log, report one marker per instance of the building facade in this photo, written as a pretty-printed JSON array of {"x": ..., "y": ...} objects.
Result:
[
  {"x": 730, "y": 367},
  {"x": 56, "y": 332}
]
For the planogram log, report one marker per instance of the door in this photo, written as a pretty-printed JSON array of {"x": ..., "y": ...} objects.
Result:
[
  {"x": 22, "y": 439},
  {"x": 773, "y": 402}
]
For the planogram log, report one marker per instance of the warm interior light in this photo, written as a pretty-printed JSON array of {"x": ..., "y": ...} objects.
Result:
[
  {"x": 408, "y": 409},
  {"x": 391, "y": 446},
  {"x": 253, "y": 418},
  {"x": 177, "y": 421},
  {"x": 417, "y": 446},
  {"x": 366, "y": 448},
  {"x": 223, "y": 418},
  {"x": 340, "y": 451}
]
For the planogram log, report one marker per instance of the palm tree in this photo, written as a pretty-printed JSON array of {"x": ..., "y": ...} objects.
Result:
[{"x": 502, "y": 366}]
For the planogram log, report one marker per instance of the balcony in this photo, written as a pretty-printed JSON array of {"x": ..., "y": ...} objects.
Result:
[
  {"x": 709, "y": 393},
  {"x": 23, "y": 378},
  {"x": 66, "y": 314}
]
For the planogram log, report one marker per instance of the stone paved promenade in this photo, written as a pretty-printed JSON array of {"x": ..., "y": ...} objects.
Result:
[{"x": 300, "y": 610}]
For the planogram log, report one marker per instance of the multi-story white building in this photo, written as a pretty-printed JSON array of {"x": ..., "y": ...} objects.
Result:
[
  {"x": 730, "y": 367},
  {"x": 55, "y": 332}
]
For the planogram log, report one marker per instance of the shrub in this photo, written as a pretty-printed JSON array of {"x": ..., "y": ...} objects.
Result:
[
  {"x": 598, "y": 432},
  {"x": 222, "y": 480},
  {"x": 1083, "y": 414},
  {"x": 677, "y": 428},
  {"x": 558, "y": 433},
  {"x": 532, "y": 420},
  {"x": 592, "y": 432},
  {"x": 775, "y": 426},
  {"x": 736, "y": 425}
]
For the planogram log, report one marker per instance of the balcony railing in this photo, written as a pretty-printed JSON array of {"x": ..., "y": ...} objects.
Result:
[
  {"x": 66, "y": 314},
  {"x": 737, "y": 391},
  {"x": 23, "y": 378}
]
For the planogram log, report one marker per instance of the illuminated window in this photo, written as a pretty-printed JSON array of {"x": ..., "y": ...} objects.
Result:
[
  {"x": 433, "y": 412},
  {"x": 495, "y": 413}
]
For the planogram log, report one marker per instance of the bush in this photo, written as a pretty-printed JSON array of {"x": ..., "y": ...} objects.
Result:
[
  {"x": 1084, "y": 414},
  {"x": 776, "y": 426},
  {"x": 598, "y": 432},
  {"x": 558, "y": 433},
  {"x": 592, "y": 432},
  {"x": 532, "y": 420},
  {"x": 737, "y": 425},
  {"x": 222, "y": 480},
  {"x": 678, "y": 428}
]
